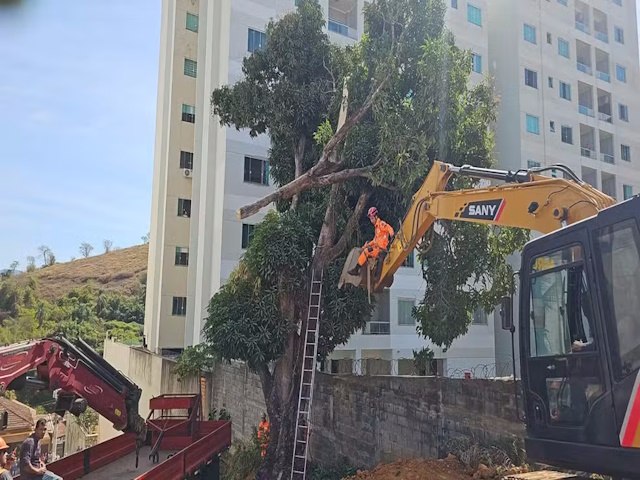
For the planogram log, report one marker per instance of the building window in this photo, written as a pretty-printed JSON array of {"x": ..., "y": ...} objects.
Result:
[
  {"x": 184, "y": 207},
  {"x": 192, "y": 22},
  {"x": 563, "y": 47},
  {"x": 256, "y": 171},
  {"x": 182, "y": 256},
  {"x": 247, "y": 234},
  {"x": 409, "y": 261},
  {"x": 179, "y": 306},
  {"x": 549, "y": 41},
  {"x": 530, "y": 33},
  {"x": 619, "y": 34},
  {"x": 186, "y": 159},
  {"x": 567, "y": 134},
  {"x": 550, "y": 82},
  {"x": 405, "y": 307},
  {"x": 562, "y": 2},
  {"x": 565, "y": 91},
  {"x": 532, "y": 164},
  {"x": 530, "y": 78},
  {"x": 476, "y": 62},
  {"x": 625, "y": 153},
  {"x": 479, "y": 317},
  {"x": 618, "y": 2},
  {"x": 256, "y": 40},
  {"x": 627, "y": 192},
  {"x": 552, "y": 126},
  {"x": 190, "y": 68},
  {"x": 623, "y": 112},
  {"x": 188, "y": 113},
  {"x": 474, "y": 15},
  {"x": 621, "y": 73},
  {"x": 454, "y": 3},
  {"x": 533, "y": 124}
]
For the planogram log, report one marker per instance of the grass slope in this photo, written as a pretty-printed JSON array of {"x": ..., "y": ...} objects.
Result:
[{"x": 118, "y": 271}]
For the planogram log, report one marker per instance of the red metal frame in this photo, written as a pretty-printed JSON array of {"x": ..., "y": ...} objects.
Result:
[{"x": 199, "y": 443}]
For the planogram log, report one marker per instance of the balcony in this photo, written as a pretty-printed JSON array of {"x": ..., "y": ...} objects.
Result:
[
  {"x": 609, "y": 184},
  {"x": 604, "y": 106},
  {"x": 582, "y": 26},
  {"x": 377, "y": 328},
  {"x": 590, "y": 176},
  {"x": 343, "y": 18},
  {"x": 607, "y": 158},
  {"x": 587, "y": 152},
  {"x": 582, "y": 17},
  {"x": 583, "y": 109},
  {"x": 600, "y": 25},
  {"x": 583, "y": 67},
  {"x": 603, "y": 66}
]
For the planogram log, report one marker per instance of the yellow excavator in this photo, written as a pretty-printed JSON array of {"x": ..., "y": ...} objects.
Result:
[{"x": 579, "y": 304}]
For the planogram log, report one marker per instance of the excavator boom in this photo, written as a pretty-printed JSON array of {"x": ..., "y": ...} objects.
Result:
[{"x": 525, "y": 199}]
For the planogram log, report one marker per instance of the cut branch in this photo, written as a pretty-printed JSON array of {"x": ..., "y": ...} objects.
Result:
[
  {"x": 320, "y": 170},
  {"x": 306, "y": 182}
]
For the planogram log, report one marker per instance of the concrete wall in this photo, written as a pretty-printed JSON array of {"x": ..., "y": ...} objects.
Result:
[
  {"x": 152, "y": 373},
  {"x": 373, "y": 419}
]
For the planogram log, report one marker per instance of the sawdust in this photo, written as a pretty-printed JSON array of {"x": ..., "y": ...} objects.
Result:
[{"x": 414, "y": 469}]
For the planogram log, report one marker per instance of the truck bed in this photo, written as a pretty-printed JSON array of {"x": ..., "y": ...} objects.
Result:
[{"x": 125, "y": 467}]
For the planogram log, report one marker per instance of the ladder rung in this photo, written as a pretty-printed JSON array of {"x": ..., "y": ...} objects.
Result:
[
  {"x": 303, "y": 426},
  {"x": 305, "y": 398},
  {"x": 301, "y": 456},
  {"x": 301, "y": 441}
]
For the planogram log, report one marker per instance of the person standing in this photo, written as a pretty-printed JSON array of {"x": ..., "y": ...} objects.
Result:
[{"x": 32, "y": 466}]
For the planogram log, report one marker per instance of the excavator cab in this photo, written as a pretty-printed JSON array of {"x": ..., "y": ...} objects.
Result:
[{"x": 579, "y": 331}]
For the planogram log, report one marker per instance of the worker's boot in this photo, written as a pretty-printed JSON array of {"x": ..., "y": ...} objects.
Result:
[{"x": 355, "y": 270}]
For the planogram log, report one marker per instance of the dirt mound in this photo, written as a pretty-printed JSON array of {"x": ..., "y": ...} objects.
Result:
[{"x": 414, "y": 469}]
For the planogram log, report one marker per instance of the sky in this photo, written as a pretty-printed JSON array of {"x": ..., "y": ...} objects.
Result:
[{"x": 78, "y": 87}]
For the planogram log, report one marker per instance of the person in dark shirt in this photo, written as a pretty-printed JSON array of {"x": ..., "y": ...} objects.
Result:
[{"x": 31, "y": 465}]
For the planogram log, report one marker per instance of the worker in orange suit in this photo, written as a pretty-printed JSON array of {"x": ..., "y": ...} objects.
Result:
[
  {"x": 263, "y": 434},
  {"x": 380, "y": 242}
]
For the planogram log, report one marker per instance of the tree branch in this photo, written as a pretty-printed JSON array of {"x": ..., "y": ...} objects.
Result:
[
  {"x": 336, "y": 250},
  {"x": 303, "y": 183},
  {"x": 298, "y": 156},
  {"x": 309, "y": 178}
]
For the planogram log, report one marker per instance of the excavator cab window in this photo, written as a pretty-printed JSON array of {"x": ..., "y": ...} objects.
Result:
[{"x": 618, "y": 252}]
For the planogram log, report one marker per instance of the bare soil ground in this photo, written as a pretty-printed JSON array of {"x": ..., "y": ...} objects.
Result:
[
  {"x": 117, "y": 271},
  {"x": 414, "y": 469}
]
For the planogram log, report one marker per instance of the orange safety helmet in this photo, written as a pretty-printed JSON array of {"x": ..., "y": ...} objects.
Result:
[
  {"x": 372, "y": 211},
  {"x": 3, "y": 445}
]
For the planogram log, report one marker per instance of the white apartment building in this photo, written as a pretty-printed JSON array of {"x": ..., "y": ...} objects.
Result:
[
  {"x": 573, "y": 104},
  {"x": 568, "y": 76},
  {"x": 204, "y": 172}
]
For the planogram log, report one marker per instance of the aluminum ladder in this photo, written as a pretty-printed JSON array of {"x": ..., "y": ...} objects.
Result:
[{"x": 307, "y": 376}]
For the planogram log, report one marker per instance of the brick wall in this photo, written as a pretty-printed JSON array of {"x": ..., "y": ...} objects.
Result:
[{"x": 365, "y": 420}]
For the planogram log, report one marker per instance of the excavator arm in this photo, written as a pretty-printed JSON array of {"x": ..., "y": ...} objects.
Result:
[
  {"x": 525, "y": 199},
  {"x": 78, "y": 375}
]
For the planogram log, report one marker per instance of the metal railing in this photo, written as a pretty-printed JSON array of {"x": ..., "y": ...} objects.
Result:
[
  {"x": 582, "y": 27},
  {"x": 586, "y": 110},
  {"x": 605, "y": 117},
  {"x": 607, "y": 158},
  {"x": 604, "y": 76},
  {"x": 602, "y": 36},
  {"x": 583, "y": 67},
  {"x": 341, "y": 29},
  {"x": 587, "y": 152}
]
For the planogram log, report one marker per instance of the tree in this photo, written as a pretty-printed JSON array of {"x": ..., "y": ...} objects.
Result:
[
  {"x": 349, "y": 128},
  {"x": 108, "y": 245},
  {"x": 85, "y": 249},
  {"x": 48, "y": 258},
  {"x": 31, "y": 263},
  {"x": 145, "y": 238}
]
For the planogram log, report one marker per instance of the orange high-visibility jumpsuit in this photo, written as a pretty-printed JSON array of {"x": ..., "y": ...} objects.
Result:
[
  {"x": 263, "y": 436},
  {"x": 380, "y": 241}
]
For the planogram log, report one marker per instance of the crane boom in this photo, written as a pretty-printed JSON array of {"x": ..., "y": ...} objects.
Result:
[
  {"x": 525, "y": 199},
  {"x": 78, "y": 375}
]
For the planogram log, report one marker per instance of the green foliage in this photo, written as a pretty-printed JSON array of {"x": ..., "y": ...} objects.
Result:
[
  {"x": 421, "y": 359},
  {"x": 88, "y": 420},
  {"x": 242, "y": 461},
  {"x": 195, "y": 360},
  {"x": 318, "y": 472}
]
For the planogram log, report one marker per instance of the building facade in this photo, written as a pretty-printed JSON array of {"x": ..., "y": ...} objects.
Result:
[{"x": 565, "y": 72}]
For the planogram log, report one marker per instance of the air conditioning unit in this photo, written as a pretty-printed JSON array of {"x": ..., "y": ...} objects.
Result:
[{"x": 186, "y": 172}]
